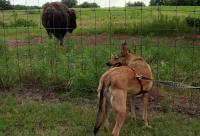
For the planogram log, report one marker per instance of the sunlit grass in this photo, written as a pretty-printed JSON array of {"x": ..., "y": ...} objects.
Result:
[
  {"x": 133, "y": 21},
  {"x": 22, "y": 117}
]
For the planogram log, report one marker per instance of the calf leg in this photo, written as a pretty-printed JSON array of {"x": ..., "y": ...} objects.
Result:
[
  {"x": 106, "y": 116},
  {"x": 133, "y": 115},
  {"x": 118, "y": 102},
  {"x": 145, "y": 109}
]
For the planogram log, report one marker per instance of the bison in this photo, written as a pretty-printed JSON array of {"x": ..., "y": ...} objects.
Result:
[{"x": 58, "y": 19}]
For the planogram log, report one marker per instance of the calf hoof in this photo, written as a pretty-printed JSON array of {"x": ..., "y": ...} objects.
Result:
[
  {"x": 106, "y": 129},
  {"x": 134, "y": 120},
  {"x": 147, "y": 127}
]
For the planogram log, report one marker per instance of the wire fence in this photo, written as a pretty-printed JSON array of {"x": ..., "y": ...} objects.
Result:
[{"x": 166, "y": 36}]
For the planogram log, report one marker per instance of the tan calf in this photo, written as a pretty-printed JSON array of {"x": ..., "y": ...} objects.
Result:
[{"x": 118, "y": 82}]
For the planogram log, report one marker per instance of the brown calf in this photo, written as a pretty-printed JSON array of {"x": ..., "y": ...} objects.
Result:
[{"x": 118, "y": 82}]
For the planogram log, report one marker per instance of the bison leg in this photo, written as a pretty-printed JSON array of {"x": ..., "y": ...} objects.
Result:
[
  {"x": 49, "y": 33},
  {"x": 61, "y": 42}
]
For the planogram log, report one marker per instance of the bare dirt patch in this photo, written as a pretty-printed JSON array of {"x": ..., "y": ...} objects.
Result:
[
  {"x": 185, "y": 105},
  {"x": 25, "y": 42},
  {"x": 160, "y": 100},
  {"x": 88, "y": 40},
  {"x": 91, "y": 40},
  {"x": 34, "y": 94},
  {"x": 196, "y": 40}
]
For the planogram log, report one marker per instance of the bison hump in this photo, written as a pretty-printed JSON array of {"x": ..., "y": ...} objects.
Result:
[
  {"x": 57, "y": 6},
  {"x": 55, "y": 16}
]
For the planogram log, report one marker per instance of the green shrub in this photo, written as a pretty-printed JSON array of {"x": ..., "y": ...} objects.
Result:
[
  {"x": 156, "y": 26},
  {"x": 163, "y": 25},
  {"x": 23, "y": 23},
  {"x": 192, "y": 21},
  {"x": 3, "y": 24},
  {"x": 165, "y": 105},
  {"x": 3, "y": 48},
  {"x": 33, "y": 12},
  {"x": 76, "y": 68}
]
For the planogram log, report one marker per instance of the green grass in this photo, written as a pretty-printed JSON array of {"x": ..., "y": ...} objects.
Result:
[
  {"x": 76, "y": 68},
  {"x": 31, "y": 118},
  {"x": 151, "y": 21}
]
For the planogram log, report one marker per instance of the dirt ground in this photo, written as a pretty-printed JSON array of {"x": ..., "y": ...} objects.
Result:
[
  {"x": 161, "y": 101},
  {"x": 88, "y": 40},
  {"x": 92, "y": 40}
]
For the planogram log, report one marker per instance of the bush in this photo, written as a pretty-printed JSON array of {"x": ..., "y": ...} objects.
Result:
[
  {"x": 70, "y": 3},
  {"x": 164, "y": 25},
  {"x": 45, "y": 5},
  {"x": 175, "y": 2},
  {"x": 3, "y": 24},
  {"x": 5, "y": 5},
  {"x": 3, "y": 49},
  {"x": 192, "y": 21},
  {"x": 137, "y": 3},
  {"x": 23, "y": 23},
  {"x": 88, "y": 5},
  {"x": 165, "y": 105},
  {"x": 157, "y": 26},
  {"x": 23, "y": 7},
  {"x": 33, "y": 12}
]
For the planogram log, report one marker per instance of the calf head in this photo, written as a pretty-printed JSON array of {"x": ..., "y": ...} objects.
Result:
[{"x": 121, "y": 59}]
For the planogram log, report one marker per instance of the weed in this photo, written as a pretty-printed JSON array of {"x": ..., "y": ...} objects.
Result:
[
  {"x": 20, "y": 117},
  {"x": 3, "y": 24},
  {"x": 31, "y": 12},
  {"x": 165, "y": 105},
  {"x": 193, "y": 22},
  {"x": 76, "y": 70},
  {"x": 20, "y": 22}
]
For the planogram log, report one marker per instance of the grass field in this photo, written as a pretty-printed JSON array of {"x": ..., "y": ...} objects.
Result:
[
  {"x": 77, "y": 67},
  {"x": 29, "y": 61},
  {"x": 151, "y": 21},
  {"x": 31, "y": 118}
]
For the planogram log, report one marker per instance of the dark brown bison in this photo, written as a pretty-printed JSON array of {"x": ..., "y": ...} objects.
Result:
[{"x": 58, "y": 19}]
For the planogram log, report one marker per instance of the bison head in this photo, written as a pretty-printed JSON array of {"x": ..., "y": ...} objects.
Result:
[{"x": 72, "y": 20}]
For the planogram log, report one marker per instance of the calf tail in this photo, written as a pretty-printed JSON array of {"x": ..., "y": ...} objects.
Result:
[
  {"x": 100, "y": 87},
  {"x": 101, "y": 110}
]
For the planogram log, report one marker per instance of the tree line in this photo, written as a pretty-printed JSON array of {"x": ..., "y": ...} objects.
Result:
[
  {"x": 6, "y": 5},
  {"x": 175, "y": 2}
]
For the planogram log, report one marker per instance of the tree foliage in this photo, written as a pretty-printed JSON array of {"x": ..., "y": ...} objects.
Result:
[
  {"x": 137, "y": 3},
  {"x": 175, "y": 2},
  {"x": 23, "y": 7},
  {"x": 5, "y": 5},
  {"x": 45, "y": 4},
  {"x": 88, "y": 5},
  {"x": 70, "y": 3}
]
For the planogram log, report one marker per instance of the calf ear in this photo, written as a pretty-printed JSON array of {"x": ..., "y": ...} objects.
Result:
[{"x": 124, "y": 50}]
